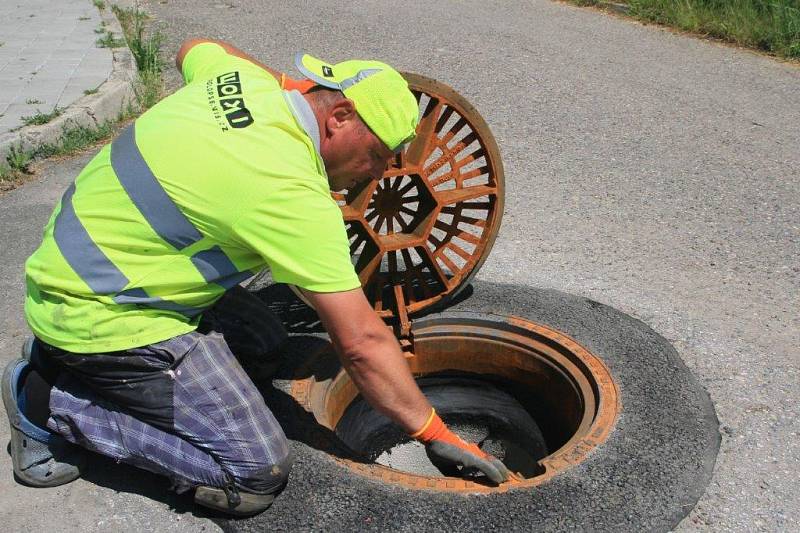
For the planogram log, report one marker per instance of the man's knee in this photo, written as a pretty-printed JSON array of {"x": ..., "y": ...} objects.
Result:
[{"x": 267, "y": 477}]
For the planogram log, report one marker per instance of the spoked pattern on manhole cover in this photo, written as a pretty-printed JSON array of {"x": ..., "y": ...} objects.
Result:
[{"x": 429, "y": 224}]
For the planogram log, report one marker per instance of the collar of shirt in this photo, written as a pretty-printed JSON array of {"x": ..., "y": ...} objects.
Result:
[{"x": 304, "y": 116}]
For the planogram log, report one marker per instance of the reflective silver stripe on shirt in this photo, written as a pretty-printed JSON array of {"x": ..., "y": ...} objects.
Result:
[
  {"x": 81, "y": 252},
  {"x": 96, "y": 269},
  {"x": 148, "y": 195},
  {"x": 216, "y": 267},
  {"x": 140, "y": 297},
  {"x": 304, "y": 115}
]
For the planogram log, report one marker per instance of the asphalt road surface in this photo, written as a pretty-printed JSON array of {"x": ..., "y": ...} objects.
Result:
[{"x": 654, "y": 172}]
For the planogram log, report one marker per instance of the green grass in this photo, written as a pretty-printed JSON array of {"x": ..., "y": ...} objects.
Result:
[
  {"x": 6, "y": 175},
  {"x": 15, "y": 167},
  {"x": 148, "y": 88},
  {"x": 73, "y": 140},
  {"x": 19, "y": 160},
  {"x": 87, "y": 92},
  {"x": 99, "y": 4},
  {"x": 145, "y": 47},
  {"x": 107, "y": 40},
  {"x": 41, "y": 118},
  {"x": 772, "y": 26}
]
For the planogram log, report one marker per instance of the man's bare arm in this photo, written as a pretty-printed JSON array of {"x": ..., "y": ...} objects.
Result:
[
  {"x": 375, "y": 363},
  {"x": 189, "y": 43},
  {"x": 372, "y": 357}
]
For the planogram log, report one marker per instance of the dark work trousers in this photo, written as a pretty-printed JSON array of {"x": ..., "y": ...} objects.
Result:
[{"x": 184, "y": 407}]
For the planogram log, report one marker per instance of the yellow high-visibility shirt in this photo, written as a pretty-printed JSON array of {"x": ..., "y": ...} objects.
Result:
[{"x": 215, "y": 182}]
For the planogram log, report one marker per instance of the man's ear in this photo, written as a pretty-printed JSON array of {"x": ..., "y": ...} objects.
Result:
[{"x": 340, "y": 115}]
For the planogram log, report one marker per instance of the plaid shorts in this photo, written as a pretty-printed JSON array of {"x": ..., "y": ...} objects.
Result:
[{"x": 183, "y": 408}]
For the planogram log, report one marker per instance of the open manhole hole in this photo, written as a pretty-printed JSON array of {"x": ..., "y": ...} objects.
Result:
[{"x": 528, "y": 394}]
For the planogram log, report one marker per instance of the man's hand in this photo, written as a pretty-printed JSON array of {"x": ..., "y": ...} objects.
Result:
[{"x": 447, "y": 451}]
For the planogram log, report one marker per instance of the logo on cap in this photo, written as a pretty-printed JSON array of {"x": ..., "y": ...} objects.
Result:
[{"x": 327, "y": 71}]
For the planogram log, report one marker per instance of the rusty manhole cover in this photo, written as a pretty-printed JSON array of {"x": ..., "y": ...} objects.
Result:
[{"x": 421, "y": 233}]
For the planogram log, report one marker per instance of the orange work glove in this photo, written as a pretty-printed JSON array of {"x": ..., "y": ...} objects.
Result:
[{"x": 447, "y": 450}]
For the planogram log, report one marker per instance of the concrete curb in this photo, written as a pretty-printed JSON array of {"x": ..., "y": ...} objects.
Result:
[
  {"x": 616, "y": 7},
  {"x": 113, "y": 97}
]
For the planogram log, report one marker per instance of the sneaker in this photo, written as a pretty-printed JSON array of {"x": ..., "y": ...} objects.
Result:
[{"x": 40, "y": 458}]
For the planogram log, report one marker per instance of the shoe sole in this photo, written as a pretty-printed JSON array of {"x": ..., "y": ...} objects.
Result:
[{"x": 215, "y": 498}]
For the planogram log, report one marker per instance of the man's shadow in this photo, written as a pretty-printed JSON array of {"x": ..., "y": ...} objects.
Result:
[
  {"x": 306, "y": 342},
  {"x": 119, "y": 477}
]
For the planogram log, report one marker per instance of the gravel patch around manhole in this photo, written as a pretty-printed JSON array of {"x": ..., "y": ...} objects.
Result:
[{"x": 647, "y": 476}]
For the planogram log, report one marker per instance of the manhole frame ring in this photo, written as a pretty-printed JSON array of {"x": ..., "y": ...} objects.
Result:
[{"x": 573, "y": 452}]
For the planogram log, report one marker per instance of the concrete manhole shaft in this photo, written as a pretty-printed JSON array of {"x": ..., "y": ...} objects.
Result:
[
  {"x": 427, "y": 226},
  {"x": 527, "y": 392}
]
